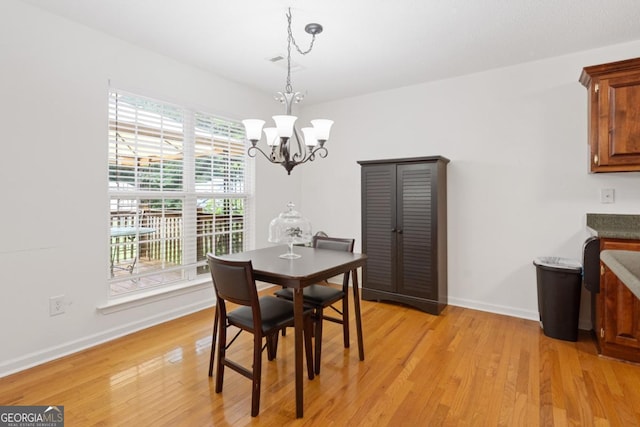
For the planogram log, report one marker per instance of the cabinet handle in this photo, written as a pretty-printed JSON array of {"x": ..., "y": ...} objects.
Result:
[
  {"x": 400, "y": 231},
  {"x": 393, "y": 230},
  {"x": 601, "y": 332},
  {"x": 595, "y": 160},
  {"x": 601, "y": 270}
]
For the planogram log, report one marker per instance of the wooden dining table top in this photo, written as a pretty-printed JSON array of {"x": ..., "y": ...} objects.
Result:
[{"x": 313, "y": 266}]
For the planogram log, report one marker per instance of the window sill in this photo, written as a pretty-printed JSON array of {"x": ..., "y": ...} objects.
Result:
[{"x": 143, "y": 298}]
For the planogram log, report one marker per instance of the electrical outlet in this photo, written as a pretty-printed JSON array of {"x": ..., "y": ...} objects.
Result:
[
  {"x": 56, "y": 305},
  {"x": 607, "y": 195}
]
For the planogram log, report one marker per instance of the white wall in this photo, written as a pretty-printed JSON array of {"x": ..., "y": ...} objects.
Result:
[
  {"x": 518, "y": 185},
  {"x": 54, "y": 78}
]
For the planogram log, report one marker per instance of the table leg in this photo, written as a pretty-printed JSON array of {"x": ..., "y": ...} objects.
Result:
[
  {"x": 298, "y": 332},
  {"x": 356, "y": 303}
]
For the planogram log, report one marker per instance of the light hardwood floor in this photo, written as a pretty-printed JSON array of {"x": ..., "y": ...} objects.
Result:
[{"x": 463, "y": 367}]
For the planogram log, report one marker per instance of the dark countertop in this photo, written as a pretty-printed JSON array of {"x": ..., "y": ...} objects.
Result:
[
  {"x": 614, "y": 226},
  {"x": 626, "y": 266}
]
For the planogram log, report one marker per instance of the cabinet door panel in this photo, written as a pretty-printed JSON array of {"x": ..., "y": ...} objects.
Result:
[
  {"x": 622, "y": 313},
  {"x": 378, "y": 195},
  {"x": 619, "y": 123},
  {"x": 415, "y": 227}
]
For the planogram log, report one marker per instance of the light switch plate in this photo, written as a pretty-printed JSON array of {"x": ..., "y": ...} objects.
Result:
[{"x": 607, "y": 195}]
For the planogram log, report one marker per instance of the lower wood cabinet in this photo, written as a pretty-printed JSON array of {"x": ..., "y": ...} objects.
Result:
[{"x": 617, "y": 310}]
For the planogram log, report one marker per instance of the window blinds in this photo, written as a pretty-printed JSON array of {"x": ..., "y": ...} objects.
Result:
[{"x": 179, "y": 187}]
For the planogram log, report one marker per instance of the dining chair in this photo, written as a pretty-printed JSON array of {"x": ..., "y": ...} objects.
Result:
[
  {"x": 264, "y": 317},
  {"x": 321, "y": 296}
]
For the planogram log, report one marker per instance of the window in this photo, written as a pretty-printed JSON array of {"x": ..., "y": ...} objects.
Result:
[{"x": 179, "y": 187}]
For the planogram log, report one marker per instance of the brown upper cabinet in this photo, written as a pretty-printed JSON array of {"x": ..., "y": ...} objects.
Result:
[{"x": 614, "y": 115}]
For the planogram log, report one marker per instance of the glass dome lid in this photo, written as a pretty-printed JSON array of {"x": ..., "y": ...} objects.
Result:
[{"x": 292, "y": 228}]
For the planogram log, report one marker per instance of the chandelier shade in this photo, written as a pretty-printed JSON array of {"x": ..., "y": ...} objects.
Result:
[
  {"x": 253, "y": 128},
  {"x": 309, "y": 135},
  {"x": 284, "y": 125},
  {"x": 271, "y": 135},
  {"x": 322, "y": 128}
]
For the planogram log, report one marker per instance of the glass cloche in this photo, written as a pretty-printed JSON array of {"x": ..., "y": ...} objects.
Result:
[{"x": 291, "y": 228}]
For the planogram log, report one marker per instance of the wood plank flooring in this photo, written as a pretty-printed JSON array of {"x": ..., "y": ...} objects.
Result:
[{"x": 463, "y": 367}]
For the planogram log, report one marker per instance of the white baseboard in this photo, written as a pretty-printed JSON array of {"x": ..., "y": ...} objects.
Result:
[
  {"x": 37, "y": 358},
  {"x": 509, "y": 311},
  {"x": 493, "y": 308}
]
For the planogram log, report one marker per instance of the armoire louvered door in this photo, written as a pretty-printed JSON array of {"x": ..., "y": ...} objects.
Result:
[
  {"x": 379, "y": 212},
  {"x": 414, "y": 230},
  {"x": 404, "y": 231}
]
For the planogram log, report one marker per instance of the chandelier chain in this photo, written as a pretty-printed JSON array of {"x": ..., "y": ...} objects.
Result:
[{"x": 290, "y": 40}]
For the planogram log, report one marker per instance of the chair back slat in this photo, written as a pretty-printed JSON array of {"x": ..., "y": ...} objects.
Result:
[
  {"x": 233, "y": 280},
  {"x": 333, "y": 243}
]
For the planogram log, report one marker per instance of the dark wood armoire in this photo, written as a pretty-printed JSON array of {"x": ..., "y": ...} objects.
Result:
[{"x": 404, "y": 231}]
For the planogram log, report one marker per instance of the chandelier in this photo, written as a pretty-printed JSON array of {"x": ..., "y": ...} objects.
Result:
[{"x": 285, "y": 145}]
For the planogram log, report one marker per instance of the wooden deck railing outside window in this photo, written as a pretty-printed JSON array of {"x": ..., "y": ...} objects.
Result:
[{"x": 220, "y": 234}]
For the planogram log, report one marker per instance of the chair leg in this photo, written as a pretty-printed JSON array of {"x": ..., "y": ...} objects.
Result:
[
  {"x": 256, "y": 374},
  {"x": 272, "y": 346},
  {"x": 317, "y": 318},
  {"x": 275, "y": 345},
  {"x": 213, "y": 342},
  {"x": 308, "y": 328},
  {"x": 222, "y": 341},
  {"x": 269, "y": 340}
]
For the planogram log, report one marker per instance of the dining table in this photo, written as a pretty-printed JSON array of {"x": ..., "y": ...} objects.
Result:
[{"x": 313, "y": 266}]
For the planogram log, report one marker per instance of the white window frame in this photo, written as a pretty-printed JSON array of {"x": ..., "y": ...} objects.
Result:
[{"x": 204, "y": 219}]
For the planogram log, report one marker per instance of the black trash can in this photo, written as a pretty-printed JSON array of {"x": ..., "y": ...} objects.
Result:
[{"x": 559, "y": 285}]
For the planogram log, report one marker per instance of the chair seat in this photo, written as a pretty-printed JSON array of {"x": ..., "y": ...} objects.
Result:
[
  {"x": 276, "y": 313},
  {"x": 318, "y": 295}
]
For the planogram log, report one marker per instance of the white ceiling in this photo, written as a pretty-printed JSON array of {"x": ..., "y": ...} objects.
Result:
[{"x": 367, "y": 45}]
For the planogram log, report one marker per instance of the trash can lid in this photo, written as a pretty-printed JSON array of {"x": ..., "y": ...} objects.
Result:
[{"x": 558, "y": 263}]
